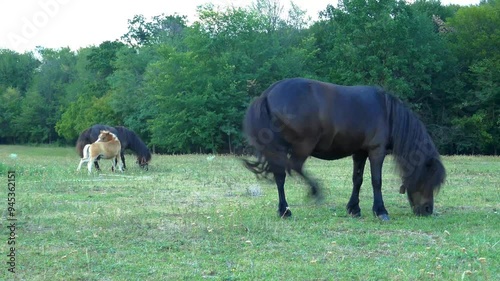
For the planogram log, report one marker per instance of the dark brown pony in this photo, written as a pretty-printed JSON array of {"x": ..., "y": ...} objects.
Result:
[
  {"x": 128, "y": 140},
  {"x": 297, "y": 118}
]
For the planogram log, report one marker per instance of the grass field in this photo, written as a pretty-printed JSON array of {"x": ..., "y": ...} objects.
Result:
[{"x": 196, "y": 217}]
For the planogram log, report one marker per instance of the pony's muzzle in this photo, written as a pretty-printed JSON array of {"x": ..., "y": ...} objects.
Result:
[
  {"x": 145, "y": 166},
  {"x": 421, "y": 205},
  {"x": 143, "y": 163},
  {"x": 424, "y": 210}
]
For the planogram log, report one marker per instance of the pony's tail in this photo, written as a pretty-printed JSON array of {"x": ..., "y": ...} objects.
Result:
[
  {"x": 83, "y": 139},
  {"x": 270, "y": 148},
  {"x": 86, "y": 151}
]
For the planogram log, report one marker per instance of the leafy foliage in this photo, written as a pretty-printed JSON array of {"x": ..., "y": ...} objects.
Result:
[{"x": 475, "y": 41}]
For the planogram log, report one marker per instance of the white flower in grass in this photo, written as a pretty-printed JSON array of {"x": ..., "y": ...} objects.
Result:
[{"x": 254, "y": 190}]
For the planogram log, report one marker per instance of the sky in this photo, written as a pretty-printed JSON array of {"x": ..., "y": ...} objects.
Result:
[{"x": 26, "y": 24}]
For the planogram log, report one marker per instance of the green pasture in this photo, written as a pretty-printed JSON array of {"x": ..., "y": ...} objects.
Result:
[{"x": 202, "y": 217}]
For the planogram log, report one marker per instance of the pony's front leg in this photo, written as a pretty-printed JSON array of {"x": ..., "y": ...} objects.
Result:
[
  {"x": 96, "y": 164},
  {"x": 359, "y": 161},
  {"x": 122, "y": 156},
  {"x": 120, "y": 163},
  {"x": 113, "y": 164},
  {"x": 376, "y": 161},
  {"x": 283, "y": 210}
]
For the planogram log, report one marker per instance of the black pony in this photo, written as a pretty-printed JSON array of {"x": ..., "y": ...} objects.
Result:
[
  {"x": 128, "y": 140},
  {"x": 297, "y": 118}
]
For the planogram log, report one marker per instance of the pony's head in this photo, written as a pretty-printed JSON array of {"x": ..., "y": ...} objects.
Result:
[
  {"x": 105, "y": 136},
  {"x": 130, "y": 140},
  {"x": 143, "y": 161},
  {"x": 421, "y": 184},
  {"x": 416, "y": 156}
]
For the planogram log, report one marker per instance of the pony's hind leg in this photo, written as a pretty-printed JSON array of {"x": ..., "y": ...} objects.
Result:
[
  {"x": 297, "y": 164},
  {"x": 83, "y": 160},
  {"x": 279, "y": 178},
  {"x": 278, "y": 162},
  {"x": 300, "y": 153},
  {"x": 277, "y": 165},
  {"x": 294, "y": 163},
  {"x": 89, "y": 165}
]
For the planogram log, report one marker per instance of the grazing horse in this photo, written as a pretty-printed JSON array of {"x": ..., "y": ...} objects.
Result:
[
  {"x": 107, "y": 146},
  {"x": 297, "y": 118},
  {"x": 128, "y": 140}
]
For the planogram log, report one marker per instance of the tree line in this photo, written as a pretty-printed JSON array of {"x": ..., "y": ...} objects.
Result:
[{"x": 184, "y": 87}]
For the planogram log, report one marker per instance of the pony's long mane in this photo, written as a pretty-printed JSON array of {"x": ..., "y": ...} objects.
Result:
[
  {"x": 134, "y": 143},
  {"x": 415, "y": 154}
]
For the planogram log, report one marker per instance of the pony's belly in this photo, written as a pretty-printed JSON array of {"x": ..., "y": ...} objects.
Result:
[
  {"x": 332, "y": 148},
  {"x": 330, "y": 155}
]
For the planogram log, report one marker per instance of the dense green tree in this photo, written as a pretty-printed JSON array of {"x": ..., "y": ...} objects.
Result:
[
  {"x": 475, "y": 40},
  {"x": 435, "y": 8},
  {"x": 91, "y": 97},
  {"x": 17, "y": 70},
  {"x": 10, "y": 99},
  {"x": 56, "y": 72},
  {"x": 101, "y": 62},
  {"x": 386, "y": 43},
  {"x": 161, "y": 29},
  {"x": 127, "y": 97},
  {"x": 32, "y": 122},
  {"x": 191, "y": 105},
  {"x": 201, "y": 94},
  {"x": 86, "y": 111}
]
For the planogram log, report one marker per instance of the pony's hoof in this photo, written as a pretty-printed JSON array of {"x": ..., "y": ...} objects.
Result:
[
  {"x": 355, "y": 215},
  {"x": 287, "y": 213},
  {"x": 354, "y": 211},
  {"x": 383, "y": 217}
]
